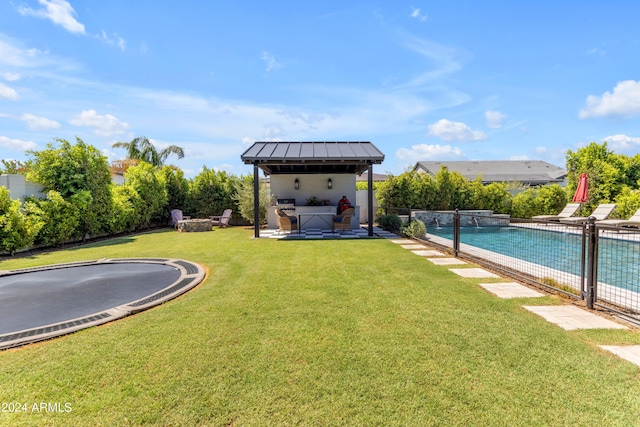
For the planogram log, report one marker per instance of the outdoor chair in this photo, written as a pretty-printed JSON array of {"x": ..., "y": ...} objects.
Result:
[
  {"x": 567, "y": 212},
  {"x": 634, "y": 221},
  {"x": 221, "y": 220},
  {"x": 286, "y": 222},
  {"x": 176, "y": 215},
  {"x": 343, "y": 221},
  {"x": 600, "y": 213}
]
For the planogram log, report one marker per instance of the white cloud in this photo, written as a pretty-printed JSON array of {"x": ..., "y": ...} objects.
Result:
[
  {"x": 427, "y": 152},
  {"x": 622, "y": 142},
  {"x": 59, "y": 12},
  {"x": 494, "y": 119},
  {"x": 270, "y": 60},
  {"x": 455, "y": 131},
  {"x": 596, "y": 51},
  {"x": 11, "y": 77},
  {"x": 14, "y": 55},
  {"x": 8, "y": 93},
  {"x": 624, "y": 101},
  {"x": 540, "y": 150},
  {"x": 417, "y": 14},
  {"x": 116, "y": 40},
  {"x": 519, "y": 157},
  {"x": 41, "y": 123},
  {"x": 17, "y": 144},
  {"x": 106, "y": 125}
]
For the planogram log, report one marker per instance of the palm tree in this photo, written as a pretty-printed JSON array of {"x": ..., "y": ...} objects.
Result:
[{"x": 141, "y": 148}]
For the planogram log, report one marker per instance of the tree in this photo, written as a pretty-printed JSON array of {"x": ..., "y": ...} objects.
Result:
[
  {"x": 142, "y": 149},
  {"x": 606, "y": 171},
  {"x": 245, "y": 199},
  {"x": 14, "y": 167}
]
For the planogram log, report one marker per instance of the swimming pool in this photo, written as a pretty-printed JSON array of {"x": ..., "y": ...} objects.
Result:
[{"x": 618, "y": 259}]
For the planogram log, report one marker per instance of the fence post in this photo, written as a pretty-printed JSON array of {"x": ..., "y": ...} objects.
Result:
[
  {"x": 592, "y": 262},
  {"x": 409, "y": 221},
  {"x": 456, "y": 233}
]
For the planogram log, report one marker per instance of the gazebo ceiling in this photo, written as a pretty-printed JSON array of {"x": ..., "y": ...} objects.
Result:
[{"x": 313, "y": 157}]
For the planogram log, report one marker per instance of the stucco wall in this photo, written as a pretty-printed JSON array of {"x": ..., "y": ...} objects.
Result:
[
  {"x": 19, "y": 187},
  {"x": 282, "y": 187}
]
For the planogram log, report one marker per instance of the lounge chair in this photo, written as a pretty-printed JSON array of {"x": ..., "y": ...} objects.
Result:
[
  {"x": 600, "y": 213},
  {"x": 567, "y": 212},
  {"x": 286, "y": 222},
  {"x": 221, "y": 220},
  {"x": 634, "y": 221},
  {"x": 343, "y": 221},
  {"x": 176, "y": 215}
]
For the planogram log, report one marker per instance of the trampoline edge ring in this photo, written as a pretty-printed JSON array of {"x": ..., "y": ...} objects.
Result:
[{"x": 191, "y": 275}]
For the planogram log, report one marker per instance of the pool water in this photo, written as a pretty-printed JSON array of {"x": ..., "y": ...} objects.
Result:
[{"x": 618, "y": 260}]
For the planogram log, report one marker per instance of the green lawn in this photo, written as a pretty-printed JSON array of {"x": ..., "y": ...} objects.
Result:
[{"x": 354, "y": 332}]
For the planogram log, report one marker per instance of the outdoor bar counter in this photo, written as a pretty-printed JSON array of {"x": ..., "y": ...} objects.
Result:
[{"x": 322, "y": 220}]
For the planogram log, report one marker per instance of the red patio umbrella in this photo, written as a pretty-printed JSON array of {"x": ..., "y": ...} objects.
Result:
[{"x": 582, "y": 192}]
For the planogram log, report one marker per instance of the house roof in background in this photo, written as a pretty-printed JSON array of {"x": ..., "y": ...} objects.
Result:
[
  {"x": 377, "y": 177},
  {"x": 313, "y": 157},
  {"x": 534, "y": 172}
]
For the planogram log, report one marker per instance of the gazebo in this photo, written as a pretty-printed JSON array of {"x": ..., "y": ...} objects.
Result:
[{"x": 336, "y": 163}]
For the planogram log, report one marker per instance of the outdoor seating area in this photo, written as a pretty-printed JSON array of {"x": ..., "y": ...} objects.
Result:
[{"x": 187, "y": 224}]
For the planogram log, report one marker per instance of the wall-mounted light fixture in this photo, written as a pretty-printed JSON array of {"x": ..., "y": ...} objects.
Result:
[
  {"x": 296, "y": 184},
  {"x": 329, "y": 184}
]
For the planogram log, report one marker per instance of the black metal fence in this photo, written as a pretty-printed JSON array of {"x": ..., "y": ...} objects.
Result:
[{"x": 583, "y": 260}]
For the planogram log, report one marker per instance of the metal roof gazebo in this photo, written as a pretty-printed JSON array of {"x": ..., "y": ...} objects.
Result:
[{"x": 339, "y": 157}]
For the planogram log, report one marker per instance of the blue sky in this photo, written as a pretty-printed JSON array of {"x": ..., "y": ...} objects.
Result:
[{"x": 422, "y": 80}]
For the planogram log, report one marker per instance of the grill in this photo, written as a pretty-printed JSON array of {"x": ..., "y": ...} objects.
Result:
[{"x": 287, "y": 205}]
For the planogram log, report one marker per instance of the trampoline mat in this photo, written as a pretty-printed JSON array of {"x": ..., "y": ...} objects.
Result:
[{"x": 38, "y": 298}]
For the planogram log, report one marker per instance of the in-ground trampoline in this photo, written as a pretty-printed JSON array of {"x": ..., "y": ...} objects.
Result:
[{"x": 44, "y": 302}]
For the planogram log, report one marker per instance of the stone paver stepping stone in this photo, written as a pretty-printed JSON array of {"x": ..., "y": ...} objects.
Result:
[
  {"x": 630, "y": 353},
  {"x": 428, "y": 253},
  {"x": 511, "y": 290},
  {"x": 446, "y": 261},
  {"x": 414, "y": 246},
  {"x": 402, "y": 241},
  {"x": 473, "y": 273},
  {"x": 569, "y": 317}
]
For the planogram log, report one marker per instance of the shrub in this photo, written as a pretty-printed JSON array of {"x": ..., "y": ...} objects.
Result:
[
  {"x": 124, "y": 199},
  {"x": 391, "y": 223},
  {"x": 59, "y": 219},
  {"x": 152, "y": 194},
  {"x": 415, "y": 229},
  {"x": 628, "y": 202},
  {"x": 14, "y": 231},
  {"x": 71, "y": 169},
  {"x": 211, "y": 193}
]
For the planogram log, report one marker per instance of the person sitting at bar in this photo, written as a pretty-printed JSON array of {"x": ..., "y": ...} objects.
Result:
[{"x": 343, "y": 204}]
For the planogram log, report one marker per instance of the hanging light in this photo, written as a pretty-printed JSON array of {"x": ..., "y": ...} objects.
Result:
[
  {"x": 296, "y": 184},
  {"x": 329, "y": 184}
]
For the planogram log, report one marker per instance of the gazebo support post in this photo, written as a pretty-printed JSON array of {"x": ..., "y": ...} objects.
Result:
[
  {"x": 370, "y": 200},
  {"x": 256, "y": 200}
]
